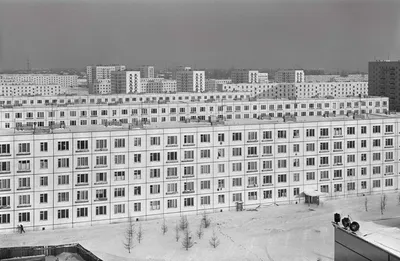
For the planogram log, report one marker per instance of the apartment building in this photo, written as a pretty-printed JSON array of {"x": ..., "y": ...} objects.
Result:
[
  {"x": 289, "y": 76},
  {"x": 244, "y": 76},
  {"x": 384, "y": 80},
  {"x": 79, "y": 176},
  {"x": 211, "y": 85},
  {"x": 262, "y": 77},
  {"x": 300, "y": 90},
  {"x": 65, "y": 81},
  {"x": 158, "y": 85},
  {"x": 99, "y": 72},
  {"x": 102, "y": 86},
  {"x": 105, "y": 109},
  {"x": 125, "y": 82},
  {"x": 146, "y": 71},
  {"x": 190, "y": 81},
  {"x": 17, "y": 89},
  {"x": 337, "y": 78}
]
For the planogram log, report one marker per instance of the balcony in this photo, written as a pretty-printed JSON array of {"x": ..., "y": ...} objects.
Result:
[
  {"x": 100, "y": 166},
  {"x": 188, "y": 191},
  {"x": 82, "y": 150},
  {"x": 171, "y": 177},
  {"x": 5, "y": 155},
  {"x": 81, "y": 201},
  {"x": 101, "y": 199},
  {"x": 171, "y": 192}
]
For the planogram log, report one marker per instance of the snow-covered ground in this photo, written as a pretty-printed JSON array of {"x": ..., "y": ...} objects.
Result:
[{"x": 287, "y": 232}]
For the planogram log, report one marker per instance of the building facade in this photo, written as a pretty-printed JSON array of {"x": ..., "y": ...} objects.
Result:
[
  {"x": 211, "y": 85},
  {"x": 17, "y": 89},
  {"x": 300, "y": 90},
  {"x": 158, "y": 85},
  {"x": 102, "y": 86},
  {"x": 190, "y": 81},
  {"x": 79, "y": 176},
  {"x": 125, "y": 82},
  {"x": 244, "y": 76},
  {"x": 262, "y": 77},
  {"x": 103, "y": 109},
  {"x": 289, "y": 76},
  {"x": 146, "y": 71},
  {"x": 99, "y": 72},
  {"x": 384, "y": 80},
  {"x": 65, "y": 81},
  {"x": 337, "y": 78}
]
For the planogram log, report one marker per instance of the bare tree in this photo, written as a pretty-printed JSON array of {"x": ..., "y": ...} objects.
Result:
[
  {"x": 214, "y": 240},
  {"x": 183, "y": 223},
  {"x": 383, "y": 203},
  {"x": 177, "y": 235},
  {"x": 205, "y": 220},
  {"x": 164, "y": 227},
  {"x": 199, "y": 231},
  {"x": 140, "y": 233},
  {"x": 187, "y": 241},
  {"x": 366, "y": 204},
  {"x": 129, "y": 234}
]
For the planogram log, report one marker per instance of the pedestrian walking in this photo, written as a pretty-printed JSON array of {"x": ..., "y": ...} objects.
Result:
[{"x": 22, "y": 228}]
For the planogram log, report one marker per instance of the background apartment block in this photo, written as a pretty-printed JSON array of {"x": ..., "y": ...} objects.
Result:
[
  {"x": 300, "y": 90},
  {"x": 179, "y": 107},
  {"x": 244, "y": 76},
  {"x": 102, "y": 86},
  {"x": 125, "y": 82},
  {"x": 190, "y": 81},
  {"x": 158, "y": 85},
  {"x": 263, "y": 77},
  {"x": 384, "y": 80},
  {"x": 65, "y": 81},
  {"x": 99, "y": 72},
  {"x": 146, "y": 71},
  {"x": 289, "y": 76},
  {"x": 83, "y": 176},
  {"x": 213, "y": 85},
  {"x": 337, "y": 78}
]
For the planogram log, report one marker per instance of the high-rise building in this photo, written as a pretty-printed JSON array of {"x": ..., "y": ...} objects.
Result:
[
  {"x": 384, "y": 80},
  {"x": 289, "y": 76},
  {"x": 99, "y": 72},
  {"x": 125, "y": 82},
  {"x": 244, "y": 76},
  {"x": 190, "y": 81},
  {"x": 146, "y": 71}
]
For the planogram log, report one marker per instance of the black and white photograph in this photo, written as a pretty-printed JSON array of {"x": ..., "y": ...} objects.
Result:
[{"x": 199, "y": 130}]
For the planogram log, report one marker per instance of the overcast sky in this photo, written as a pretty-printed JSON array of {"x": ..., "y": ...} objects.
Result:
[{"x": 326, "y": 34}]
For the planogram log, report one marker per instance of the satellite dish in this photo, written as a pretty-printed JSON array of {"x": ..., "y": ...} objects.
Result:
[{"x": 354, "y": 226}]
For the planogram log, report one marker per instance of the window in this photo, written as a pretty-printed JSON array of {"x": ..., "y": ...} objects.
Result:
[
  {"x": 101, "y": 194},
  {"x": 252, "y": 136},
  {"x": 63, "y": 196},
  {"x": 376, "y": 183},
  {"x": 389, "y": 169},
  {"x": 205, "y": 184},
  {"x": 267, "y": 135},
  {"x": 4, "y": 184},
  {"x": 252, "y": 151},
  {"x": 337, "y": 132},
  {"x": 101, "y": 160},
  {"x": 155, "y": 189},
  {"x": 310, "y": 147},
  {"x": 296, "y": 148},
  {"x": 310, "y": 175},
  {"x": 101, "y": 144},
  {"x": 172, "y": 140},
  {"x": 101, "y": 210},
  {"x": 351, "y": 144},
  {"x": 389, "y": 128},
  {"x": 205, "y": 138},
  {"x": 188, "y": 139},
  {"x": 82, "y": 145},
  {"x": 389, "y": 142},
  {"x": 281, "y": 148},
  {"x": 24, "y": 148},
  {"x": 237, "y": 182},
  {"x": 205, "y": 153},
  {"x": 324, "y": 132},
  {"x": 154, "y": 141},
  {"x": 310, "y": 161},
  {"x": 324, "y": 174},
  {"x": 351, "y": 158},
  {"x": 376, "y": 143},
  {"x": 376, "y": 129},
  {"x": 237, "y": 166},
  {"x": 237, "y": 136},
  {"x": 236, "y": 151},
  {"x": 252, "y": 166},
  {"x": 63, "y": 163},
  {"x": 221, "y": 137},
  {"x": 44, "y": 164},
  {"x": 267, "y": 165},
  {"x": 82, "y": 195},
  {"x": 188, "y": 154},
  {"x": 282, "y": 163},
  {"x": 119, "y": 175},
  {"x": 337, "y": 187},
  {"x": 188, "y": 202},
  {"x": 337, "y": 146},
  {"x": 137, "y": 207},
  {"x": 155, "y": 173},
  {"x": 282, "y": 193},
  {"x": 252, "y": 195},
  {"x": 351, "y": 172},
  {"x": 363, "y": 129},
  {"x": 206, "y": 200},
  {"x": 376, "y": 156},
  {"x": 221, "y": 199},
  {"x": 281, "y": 134},
  {"x": 43, "y": 215},
  {"x": 337, "y": 173},
  {"x": 296, "y": 133},
  {"x": 363, "y": 185},
  {"x": 137, "y": 174},
  {"x": 43, "y": 146},
  {"x": 221, "y": 153},
  {"x": 63, "y": 145},
  {"x": 337, "y": 160},
  {"x": 119, "y": 192},
  {"x": 119, "y": 159},
  {"x": 388, "y": 182},
  {"x": 137, "y": 158},
  {"x": 24, "y": 217},
  {"x": 82, "y": 212},
  {"x": 172, "y": 203},
  {"x": 310, "y": 132},
  {"x": 63, "y": 180},
  {"x": 282, "y": 178},
  {"x": 267, "y": 179},
  {"x": 5, "y": 149},
  {"x": 267, "y": 194},
  {"x": 376, "y": 170},
  {"x": 296, "y": 191},
  {"x": 63, "y": 213},
  {"x": 188, "y": 186},
  {"x": 351, "y": 130},
  {"x": 236, "y": 197},
  {"x": 137, "y": 142},
  {"x": 296, "y": 177},
  {"x": 189, "y": 170}
]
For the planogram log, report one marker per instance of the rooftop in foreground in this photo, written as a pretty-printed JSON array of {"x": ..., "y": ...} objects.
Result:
[{"x": 117, "y": 126}]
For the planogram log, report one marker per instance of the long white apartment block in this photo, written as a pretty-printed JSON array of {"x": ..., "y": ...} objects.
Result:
[
  {"x": 300, "y": 90},
  {"x": 65, "y": 81},
  {"x": 80, "y": 176},
  {"x": 337, "y": 78},
  {"x": 26, "y": 89},
  {"x": 178, "y": 107},
  {"x": 158, "y": 85},
  {"x": 289, "y": 76}
]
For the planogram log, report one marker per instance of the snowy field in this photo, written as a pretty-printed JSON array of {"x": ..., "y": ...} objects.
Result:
[{"x": 287, "y": 232}]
